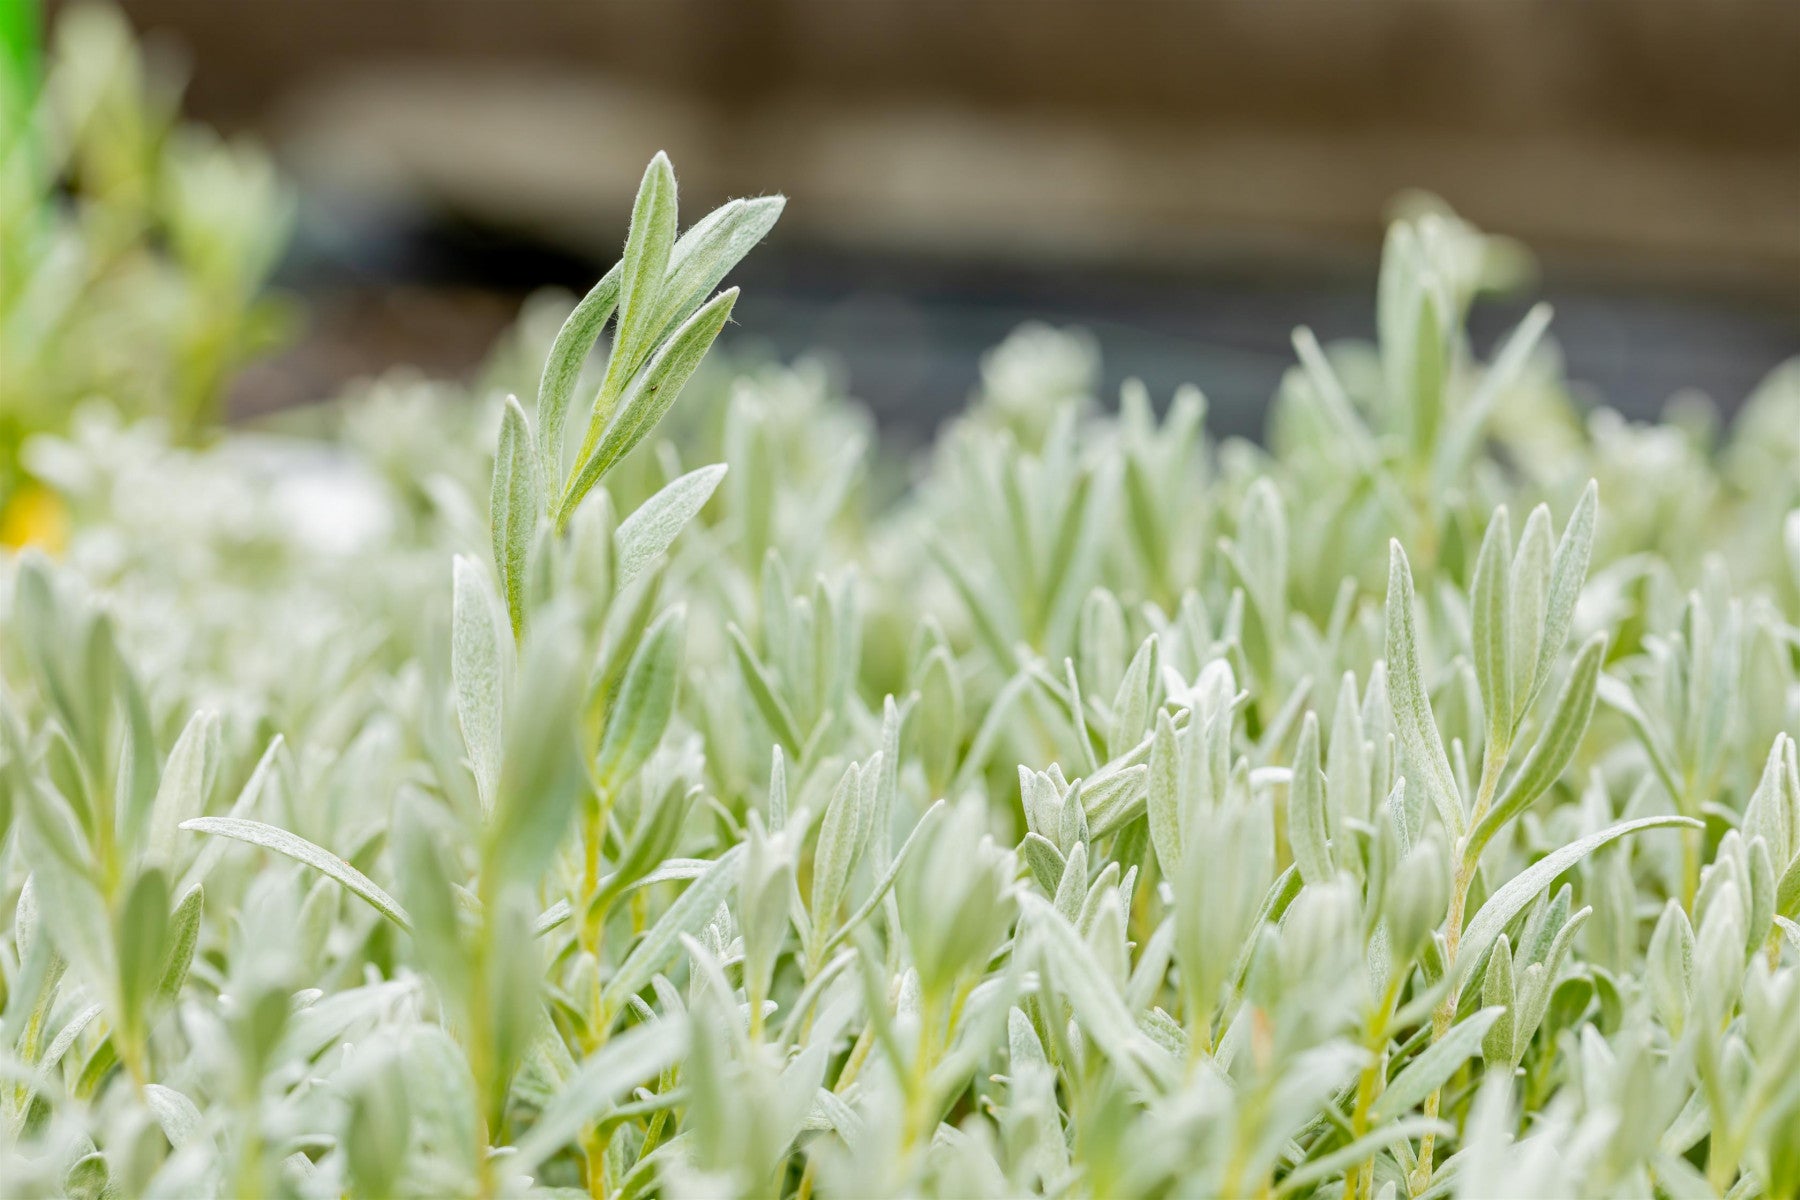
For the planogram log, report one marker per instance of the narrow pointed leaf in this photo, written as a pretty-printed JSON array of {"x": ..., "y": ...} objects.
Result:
[{"x": 268, "y": 837}]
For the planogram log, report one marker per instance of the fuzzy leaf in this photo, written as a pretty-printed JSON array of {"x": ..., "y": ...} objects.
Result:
[
  {"x": 300, "y": 850},
  {"x": 603, "y": 1078},
  {"x": 1412, "y": 705},
  {"x": 1555, "y": 747},
  {"x": 650, "y": 395},
  {"x": 476, "y": 672},
  {"x": 652, "y": 529},
  {"x": 1510, "y": 899},
  {"x": 638, "y": 715},
  {"x": 514, "y": 506},
  {"x": 1428, "y": 1072},
  {"x": 1490, "y": 598},
  {"x": 683, "y": 918},
  {"x": 562, "y": 370},
  {"x": 1306, "y": 809}
]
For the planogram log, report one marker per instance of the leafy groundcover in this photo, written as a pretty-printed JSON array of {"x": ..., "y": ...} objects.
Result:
[{"x": 646, "y": 786}]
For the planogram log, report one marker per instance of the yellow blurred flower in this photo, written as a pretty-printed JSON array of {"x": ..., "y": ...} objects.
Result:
[{"x": 34, "y": 516}]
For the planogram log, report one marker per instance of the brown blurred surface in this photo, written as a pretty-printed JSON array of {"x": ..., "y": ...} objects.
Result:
[
  {"x": 1189, "y": 179},
  {"x": 1659, "y": 132}
]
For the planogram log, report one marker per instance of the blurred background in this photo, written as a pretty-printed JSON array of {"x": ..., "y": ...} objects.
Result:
[{"x": 1188, "y": 180}]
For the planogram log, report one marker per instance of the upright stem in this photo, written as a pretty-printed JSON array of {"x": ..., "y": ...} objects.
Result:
[
  {"x": 1360, "y": 1180},
  {"x": 1690, "y": 858},
  {"x": 918, "y": 1099},
  {"x": 1493, "y": 760}
]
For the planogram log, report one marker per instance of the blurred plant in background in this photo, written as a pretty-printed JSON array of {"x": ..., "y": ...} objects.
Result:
[
  {"x": 440, "y": 794},
  {"x": 134, "y": 247}
]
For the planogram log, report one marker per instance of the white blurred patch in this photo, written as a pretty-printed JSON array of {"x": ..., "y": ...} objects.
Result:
[{"x": 328, "y": 504}]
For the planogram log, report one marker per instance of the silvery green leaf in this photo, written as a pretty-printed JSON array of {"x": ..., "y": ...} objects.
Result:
[
  {"x": 1306, "y": 809},
  {"x": 377, "y": 1126},
  {"x": 1490, "y": 598},
  {"x": 477, "y": 666},
  {"x": 1718, "y": 960},
  {"x": 642, "y": 270},
  {"x": 673, "y": 869},
  {"x": 142, "y": 936},
  {"x": 992, "y": 727},
  {"x": 1787, "y": 892},
  {"x": 1346, "y": 423},
  {"x": 1076, "y": 705},
  {"x": 1023, "y": 1044},
  {"x": 1498, "y": 991},
  {"x": 562, "y": 370},
  {"x": 1567, "y": 574},
  {"x": 1510, "y": 899},
  {"x": 768, "y": 701},
  {"x": 1044, "y": 859},
  {"x": 69, "y": 901},
  {"x": 435, "y": 906},
  {"x": 626, "y": 1060},
  {"x": 1071, "y": 889},
  {"x": 1417, "y": 895},
  {"x": 1131, "y": 705},
  {"x": 179, "y": 1116},
  {"x": 1263, "y": 538},
  {"x": 1316, "y": 1170},
  {"x": 240, "y": 807},
  {"x": 268, "y": 837},
  {"x": 1619, "y": 698},
  {"x": 540, "y": 772},
  {"x": 181, "y": 793},
  {"x": 638, "y": 715},
  {"x": 657, "y": 831},
  {"x": 1347, "y": 791},
  {"x": 837, "y": 848},
  {"x": 1509, "y": 362},
  {"x": 1775, "y": 803},
  {"x": 991, "y": 619},
  {"x": 184, "y": 935},
  {"x": 1100, "y": 636},
  {"x": 1042, "y": 803},
  {"x": 65, "y": 1037},
  {"x": 882, "y": 886},
  {"x": 882, "y": 789},
  {"x": 1223, "y": 895},
  {"x": 1429, "y": 1071},
  {"x": 551, "y": 918},
  {"x": 1529, "y": 603},
  {"x": 1412, "y": 706},
  {"x": 1424, "y": 371},
  {"x": 1148, "y": 976},
  {"x": 1103, "y": 927},
  {"x": 1162, "y": 797},
  {"x": 1556, "y": 744},
  {"x": 651, "y": 529},
  {"x": 1565, "y": 938},
  {"x": 1669, "y": 967},
  {"x": 939, "y": 716},
  {"x": 778, "y": 790},
  {"x": 649, "y": 396},
  {"x": 1761, "y": 893},
  {"x": 1114, "y": 798},
  {"x": 706, "y": 253},
  {"x": 515, "y": 505},
  {"x": 1101, "y": 1011},
  {"x": 684, "y": 918},
  {"x": 138, "y": 776}
]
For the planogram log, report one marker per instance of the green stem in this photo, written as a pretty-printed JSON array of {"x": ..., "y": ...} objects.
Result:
[
  {"x": 919, "y": 1112},
  {"x": 1468, "y": 857},
  {"x": 1361, "y": 1181}
]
